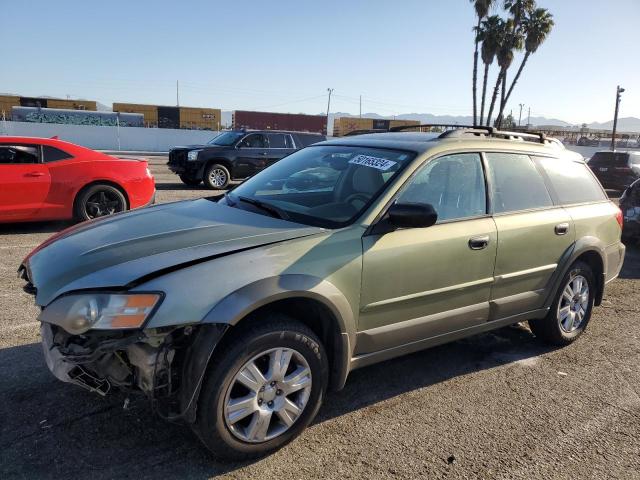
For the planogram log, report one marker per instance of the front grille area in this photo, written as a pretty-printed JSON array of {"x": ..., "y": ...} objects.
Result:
[{"x": 177, "y": 158}]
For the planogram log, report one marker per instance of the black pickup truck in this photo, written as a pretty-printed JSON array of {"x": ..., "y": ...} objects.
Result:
[{"x": 235, "y": 154}]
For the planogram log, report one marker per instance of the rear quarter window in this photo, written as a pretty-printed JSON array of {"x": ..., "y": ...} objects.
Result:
[
  {"x": 53, "y": 154},
  {"x": 572, "y": 181}
]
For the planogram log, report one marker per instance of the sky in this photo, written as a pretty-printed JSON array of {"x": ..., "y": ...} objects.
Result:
[{"x": 402, "y": 56}]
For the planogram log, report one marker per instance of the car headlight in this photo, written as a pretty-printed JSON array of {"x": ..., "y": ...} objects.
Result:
[
  {"x": 101, "y": 311},
  {"x": 193, "y": 154}
]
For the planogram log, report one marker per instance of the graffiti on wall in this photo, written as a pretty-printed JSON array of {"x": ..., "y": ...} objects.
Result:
[{"x": 76, "y": 117}]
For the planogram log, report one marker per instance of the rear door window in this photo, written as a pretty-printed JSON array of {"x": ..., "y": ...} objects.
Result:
[
  {"x": 611, "y": 159},
  {"x": 19, "y": 154},
  {"x": 276, "y": 140},
  {"x": 516, "y": 183},
  {"x": 572, "y": 181}
]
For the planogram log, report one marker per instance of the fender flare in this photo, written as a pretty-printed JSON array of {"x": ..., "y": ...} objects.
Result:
[
  {"x": 580, "y": 247},
  {"x": 237, "y": 305}
]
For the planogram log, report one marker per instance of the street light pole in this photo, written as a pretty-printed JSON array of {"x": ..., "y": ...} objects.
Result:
[
  {"x": 520, "y": 115},
  {"x": 330, "y": 90},
  {"x": 619, "y": 91}
]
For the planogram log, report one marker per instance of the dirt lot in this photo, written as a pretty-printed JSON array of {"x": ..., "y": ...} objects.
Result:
[{"x": 493, "y": 406}]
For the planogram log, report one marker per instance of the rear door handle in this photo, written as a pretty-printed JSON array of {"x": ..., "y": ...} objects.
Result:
[
  {"x": 34, "y": 174},
  {"x": 478, "y": 243},
  {"x": 562, "y": 228}
]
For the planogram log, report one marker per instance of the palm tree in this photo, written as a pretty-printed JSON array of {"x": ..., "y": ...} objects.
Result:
[
  {"x": 504, "y": 54},
  {"x": 482, "y": 10},
  {"x": 536, "y": 27},
  {"x": 489, "y": 34}
]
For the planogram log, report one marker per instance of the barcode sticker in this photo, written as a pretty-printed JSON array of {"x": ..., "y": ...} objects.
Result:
[{"x": 373, "y": 162}]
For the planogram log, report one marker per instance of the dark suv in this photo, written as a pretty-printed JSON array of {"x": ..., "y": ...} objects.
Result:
[
  {"x": 616, "y": 170},
  {"x": 235, "y": 155}
]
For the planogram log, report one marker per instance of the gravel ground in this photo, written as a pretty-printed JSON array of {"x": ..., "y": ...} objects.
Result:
[{"x": 497, "y": 405}]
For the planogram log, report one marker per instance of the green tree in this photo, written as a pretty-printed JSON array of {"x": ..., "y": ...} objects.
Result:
[
  {"x": 536, "y": 26},
  {"x": 482, "y": 10}
]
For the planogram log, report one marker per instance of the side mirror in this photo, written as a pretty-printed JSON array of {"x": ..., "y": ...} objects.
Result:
[{"x": 412, "y": 215}]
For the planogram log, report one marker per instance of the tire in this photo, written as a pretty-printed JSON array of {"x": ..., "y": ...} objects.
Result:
[
  {"x": 191, "y": 181},
  {"x": 97, "y": 201},
  {"x": 230, "y": 435},
  {"x": 216, "y": 176},
  {"x": 557, "y": 328}
]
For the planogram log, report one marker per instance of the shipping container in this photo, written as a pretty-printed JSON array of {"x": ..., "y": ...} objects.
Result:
[
  {"x": 72, "y": 104},
  {"x": 200, "y": 118},
  {"x": 149, "y": 112},
  {"x": 295, "y": 122},
  {"x": 75, "y": 117},
  {"x": 7, "y": 102},
  {"x": 344, "y": 125}
]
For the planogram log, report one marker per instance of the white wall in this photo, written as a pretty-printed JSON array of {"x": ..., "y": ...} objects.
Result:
[{"x": 106, "y": 138}]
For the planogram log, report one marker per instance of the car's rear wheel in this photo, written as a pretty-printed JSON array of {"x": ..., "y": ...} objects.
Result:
[
  {"x": 99, "y": 200},
  {"x": 189, "y": 180},
  {"x": 216, "y": 176},
  {"x": 264, "y": 387},
  {"x": 571, "y": 310}
]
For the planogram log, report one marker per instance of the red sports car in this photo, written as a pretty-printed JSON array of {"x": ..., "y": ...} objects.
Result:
[{"x": 48, "y": 179}]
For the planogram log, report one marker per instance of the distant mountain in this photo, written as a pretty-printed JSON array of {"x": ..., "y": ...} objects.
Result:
[{"x": 627, "y": 124}]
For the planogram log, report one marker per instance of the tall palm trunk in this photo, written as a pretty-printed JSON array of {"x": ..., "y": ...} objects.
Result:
[
  {"x": 475, "y": 76},
  {"x": 496, "y": 89},
  {"x": 515, "y": 79},
  {"x": 484, "y": 92},
  {"x": 502, "y": 100}
]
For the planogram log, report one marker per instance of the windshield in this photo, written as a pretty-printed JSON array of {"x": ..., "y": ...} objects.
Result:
[
  {"x": 327, "y": 186},
  {"x": 226, "y": 138}
]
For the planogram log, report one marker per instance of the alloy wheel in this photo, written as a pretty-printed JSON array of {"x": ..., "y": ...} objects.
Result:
[
  {"x": 573, "y": 305},
  {"x": 103, "y": 202},
  {"x": 267, "y": 395},
  {"x": 217, "y": 177}
]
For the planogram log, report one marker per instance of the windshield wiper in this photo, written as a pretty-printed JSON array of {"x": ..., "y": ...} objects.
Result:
[{"x": 267, "y": 207}]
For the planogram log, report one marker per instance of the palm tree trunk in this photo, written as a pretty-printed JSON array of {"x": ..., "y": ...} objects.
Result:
[
  {"x": 484, "y": 92},
  {"x": 496, "y": 89},
  {"x": 515, "y": 79},
  {"x": 475, "y": 77},
  {"x": 502, "y": 100}
]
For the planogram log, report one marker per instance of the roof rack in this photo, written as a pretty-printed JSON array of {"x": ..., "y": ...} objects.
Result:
[
  {"x": 454, "y": 131},
  {"x": 364, "y": 132}
]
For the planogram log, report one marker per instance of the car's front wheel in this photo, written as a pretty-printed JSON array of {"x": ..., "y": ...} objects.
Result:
[
  {"x": 217, "y": 177},
  {"x": 571, "y": 310},
  {"x": 263, "y": 388}
]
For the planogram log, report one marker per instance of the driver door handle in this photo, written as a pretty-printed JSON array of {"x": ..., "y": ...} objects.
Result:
[
  {"x": 34, "y": 174},
  {"x": 479, "y": 243}
]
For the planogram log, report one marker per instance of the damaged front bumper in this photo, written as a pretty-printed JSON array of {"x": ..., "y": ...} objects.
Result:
[{"x": 166, "y": 365}]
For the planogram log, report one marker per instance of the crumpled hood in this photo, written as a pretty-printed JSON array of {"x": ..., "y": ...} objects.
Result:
[{"x": 117, "y": 251}]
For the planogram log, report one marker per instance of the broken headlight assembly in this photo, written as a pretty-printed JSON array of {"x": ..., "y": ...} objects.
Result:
[{"x": 78, "y": 313}]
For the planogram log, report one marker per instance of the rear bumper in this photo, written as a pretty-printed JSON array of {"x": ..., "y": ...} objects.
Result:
[{"x": 615, "y": 259}]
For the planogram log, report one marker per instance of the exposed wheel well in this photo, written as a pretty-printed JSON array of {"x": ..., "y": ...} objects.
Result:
[
  {"x": 594, "y": 260},
  {"x": 319, "y": 318},
  {"x": 101, "y": 182}
]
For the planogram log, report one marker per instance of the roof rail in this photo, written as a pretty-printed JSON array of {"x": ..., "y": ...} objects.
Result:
[
  {"x": 365, "y": 131},
  {"x": 442, "y": 125},
  {"x": 537, "y": 137}
]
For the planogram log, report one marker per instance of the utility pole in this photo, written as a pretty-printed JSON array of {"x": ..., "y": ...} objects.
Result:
[
  {"x": 520, "y": 115},
  {"x": 619, "y": 91},
  {"x": 330, "y": 90},
  {"x": 360, "y": 106},
  {"x": 529, "y": 117},
  {"x": 177, "y": 93}
]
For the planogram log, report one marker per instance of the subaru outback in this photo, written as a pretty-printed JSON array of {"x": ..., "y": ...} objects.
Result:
[{"x": 235, "y": 314}]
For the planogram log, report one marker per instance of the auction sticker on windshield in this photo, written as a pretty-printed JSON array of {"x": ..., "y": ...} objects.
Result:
[{"x": 373, "y": 162}]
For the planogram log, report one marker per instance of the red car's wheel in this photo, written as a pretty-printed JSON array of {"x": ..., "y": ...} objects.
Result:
[{"x": 98, "y": 201}]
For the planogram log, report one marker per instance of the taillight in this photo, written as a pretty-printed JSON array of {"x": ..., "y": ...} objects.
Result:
[{"x": 619, "y": 217}]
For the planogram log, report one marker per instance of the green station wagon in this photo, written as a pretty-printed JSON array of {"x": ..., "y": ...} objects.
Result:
[{"x": 235, "y": 314}]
